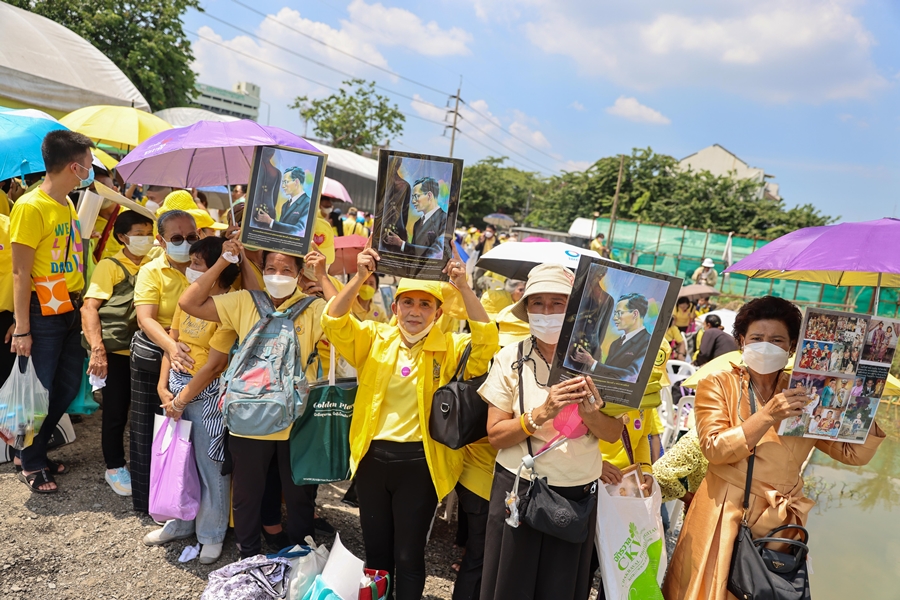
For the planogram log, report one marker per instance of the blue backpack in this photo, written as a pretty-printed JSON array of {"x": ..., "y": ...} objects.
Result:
[{"x": 266, "y": 381}]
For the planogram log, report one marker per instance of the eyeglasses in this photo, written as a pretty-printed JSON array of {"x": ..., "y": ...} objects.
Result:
[
  {"x": 192, "y": 238},
  {"x": 617, "y": 314}
]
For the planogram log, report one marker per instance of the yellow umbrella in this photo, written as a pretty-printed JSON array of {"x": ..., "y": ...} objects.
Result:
[
  {"x": 121, "y": 127},
  {"x": 105, "y": 159},
  {"x": 892, "y": 387}
]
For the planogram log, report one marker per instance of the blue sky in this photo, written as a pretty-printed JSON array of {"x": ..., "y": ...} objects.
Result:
[{"x": 805, "y": 89}]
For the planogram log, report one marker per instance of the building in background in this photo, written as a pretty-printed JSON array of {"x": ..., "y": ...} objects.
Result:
[
  {"x": 242, "y": 102},
  {"x": 722, "y": 163}
]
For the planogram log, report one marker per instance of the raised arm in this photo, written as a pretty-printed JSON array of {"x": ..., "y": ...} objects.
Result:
[
  {"x": 366, "y": 264},
  {"x": 196, "y": 299},
  {"x": 456, "y": 271}
]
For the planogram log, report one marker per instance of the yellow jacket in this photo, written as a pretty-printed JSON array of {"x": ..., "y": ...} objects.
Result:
[{"x": 371, "y": 348}]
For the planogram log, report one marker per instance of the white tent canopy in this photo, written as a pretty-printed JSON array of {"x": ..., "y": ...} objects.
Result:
[
  {"x": 45, "y": 65},
  {"x": 357, "y": 174},
  {"x": 186, "y": 116}
]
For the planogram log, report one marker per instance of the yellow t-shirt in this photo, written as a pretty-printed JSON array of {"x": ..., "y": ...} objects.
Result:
[
  {"x": 398, "y": 420},
  {"x": 160, "y": 284},
  {"x": 108, "y": 275},
  {"x": 683, "y": 318},
  {"x": 354, "y": 228},
  {"x": 4, "y": 204},
  {"x": 199, "y": 335},
  {"x": 52, "y": 229},
  {"x": 478, "y": 468},
  {"x": 673, "y": 334},
  {"x": 637, "y": 423},
  {"x": 238, "y": 314},
  {"x": 6, "y": 277},
  {"x": 494, "y": 301}
]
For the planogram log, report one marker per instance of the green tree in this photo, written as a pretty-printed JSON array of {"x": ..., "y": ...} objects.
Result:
[
  {"x": 356, "y": 119},
  {"x": 489, "y": 186},
  {"x": 144, "y": 38},
  {"x": 655, "y": 190}
]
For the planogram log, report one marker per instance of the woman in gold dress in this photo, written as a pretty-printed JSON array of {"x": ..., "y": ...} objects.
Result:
[{"x": 767, "y": 329}]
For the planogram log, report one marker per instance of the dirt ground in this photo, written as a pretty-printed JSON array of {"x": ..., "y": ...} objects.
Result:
[{"x": 85, "y": 541}]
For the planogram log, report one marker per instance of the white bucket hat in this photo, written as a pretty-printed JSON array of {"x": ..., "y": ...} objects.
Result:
[{"x": 544, "y": 279}]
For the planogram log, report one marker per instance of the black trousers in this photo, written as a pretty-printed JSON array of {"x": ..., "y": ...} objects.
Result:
[
  {"x": 270, "y": 513},
  {"x": 397, "y": 501},
  {"x": 7, "y": 358},
  {"x": 251, "y": 465},
  {"x": 116, "y": 405},
  {"x": 475, "y": 510},
  {"x": 144, "y": 404},
  {"x": 525, "y": 564}
]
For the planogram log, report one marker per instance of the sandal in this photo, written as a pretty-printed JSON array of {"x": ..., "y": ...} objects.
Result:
[
  {"x": 35, "y": 480},
  {"x": 52, "y": 467}
]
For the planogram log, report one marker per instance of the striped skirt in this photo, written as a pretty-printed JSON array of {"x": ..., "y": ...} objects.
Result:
[{"x": 212, "y": 416}]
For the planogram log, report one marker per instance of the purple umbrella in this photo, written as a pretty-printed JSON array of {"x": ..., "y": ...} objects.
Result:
[
  {"x": 848, "y": 254},
  {"x": 206, "y": 153}
]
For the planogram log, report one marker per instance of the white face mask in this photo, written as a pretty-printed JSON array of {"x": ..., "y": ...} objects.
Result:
[
  {"x": 488, "y": 234},
  {"x": 139, "y": 245},
  {"x": 417, "y": 337},
  {"x": 280, "y": 286},
  {"x": 546, "y": 327},
  {"x": 765, "y": 358},
  {"x": 192, "y": 275}
]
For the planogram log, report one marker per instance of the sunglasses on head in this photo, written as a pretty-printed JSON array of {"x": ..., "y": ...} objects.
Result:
[{"x": 192, "y": 238}]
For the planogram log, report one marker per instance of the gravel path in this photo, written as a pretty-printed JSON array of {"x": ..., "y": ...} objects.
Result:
[{"x": 85, "y": 541}]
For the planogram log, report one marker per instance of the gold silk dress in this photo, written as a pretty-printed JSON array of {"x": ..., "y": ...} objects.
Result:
[{"x": 699, "y": 566}]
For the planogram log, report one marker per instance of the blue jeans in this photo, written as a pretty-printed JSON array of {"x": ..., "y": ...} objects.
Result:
[
  {"x": 59, "y": 361},
  {"x": 215, "y": 488}
]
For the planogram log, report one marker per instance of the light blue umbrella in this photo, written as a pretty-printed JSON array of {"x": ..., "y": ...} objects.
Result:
[{"x": 20, "y": 144}]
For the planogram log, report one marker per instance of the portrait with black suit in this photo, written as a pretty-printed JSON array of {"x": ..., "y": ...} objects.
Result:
[
  {"x": 626, "y": 353},
  {"x": 429, "y": 231},
  {"x": 294, "y": 211}
]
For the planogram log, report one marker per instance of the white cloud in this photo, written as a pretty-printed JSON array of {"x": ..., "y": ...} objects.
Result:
[
  {"x": 770, "y": 50},
  {"x": 631, "y": 109},
  {"x": 399, "y": 27},
  {"x": 575, "y": 165},
  {"x": 577, "y": 105}
]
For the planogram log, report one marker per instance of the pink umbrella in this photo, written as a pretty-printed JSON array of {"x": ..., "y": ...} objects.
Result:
[
  {"x": 335, "y": 189},
  {"x": 534, "y": 238},
  {"x": 346, "y": 249}
]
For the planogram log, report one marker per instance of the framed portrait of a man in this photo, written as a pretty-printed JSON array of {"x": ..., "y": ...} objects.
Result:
[
  {"x": 615, "y": 321},
  {"x": 282, "y": 199},
  {"x": 417, "y": 198}
]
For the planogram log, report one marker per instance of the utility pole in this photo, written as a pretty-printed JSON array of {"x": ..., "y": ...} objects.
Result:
[
  {"x": 456, "y": 116},
  {"x": 612, "y": 215}
]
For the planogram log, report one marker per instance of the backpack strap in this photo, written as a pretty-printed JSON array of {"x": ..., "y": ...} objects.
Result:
[
  {"x": 125, "y": 272},
  {"x": 263, "y": 303},
  {"x": 521, "y": 365},
  {"x": 297, "y": 309}
]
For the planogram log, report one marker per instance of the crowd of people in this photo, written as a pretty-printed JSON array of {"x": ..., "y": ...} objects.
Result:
[{"x": 170, "y": 302}]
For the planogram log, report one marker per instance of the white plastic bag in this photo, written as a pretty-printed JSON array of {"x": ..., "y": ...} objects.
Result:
[
  {"x": 631, "y": 545},
  {"x": 24, "y": 402},
  {"x": 305, "y": 568}
]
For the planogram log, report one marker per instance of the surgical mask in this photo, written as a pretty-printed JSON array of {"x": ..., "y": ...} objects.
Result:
[
  {"x": 417, "y": 337},
  {"x": 280, "y": 286},
  {"x": 192, "y": 275},
  {"x": 489, "y": 234},
  {"x": 139, "y": 245},
  {"x": 546, "y": 327},
  {"x": 180, "y": 253},
  {"x": 366, "y": 292},
  {"x": 89, "y": 179},
  {"x": 765, "y": 358},
  {"x": 151, "y": 206}
]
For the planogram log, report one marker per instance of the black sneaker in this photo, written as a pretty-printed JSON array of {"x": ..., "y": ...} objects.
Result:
[
  {"x": 276, "y": 541},
  {"x": 323, "y": 527}
]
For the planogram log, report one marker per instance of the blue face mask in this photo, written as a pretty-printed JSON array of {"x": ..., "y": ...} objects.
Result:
[
  {"x": 180, "y": 253},
  {"x": 90, "y": 177}
]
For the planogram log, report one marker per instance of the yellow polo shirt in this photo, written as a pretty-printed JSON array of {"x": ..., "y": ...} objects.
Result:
[
  {"x": 238, "y": 314},
  {"x": 398, "y": 420},
  {"x": 52, "y": 229},
  {"x": 6, "y": 276},
  {"x": 108, "y": 275},
  {"x": 158, "y": 283},
  {"x": 198, "y": 335}
]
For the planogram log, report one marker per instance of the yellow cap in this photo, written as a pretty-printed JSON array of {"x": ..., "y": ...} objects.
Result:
[
  {"x": 177, "y": 200},
  {"x": 204, "y": 221},
  {"x": 412, "y": 285}
]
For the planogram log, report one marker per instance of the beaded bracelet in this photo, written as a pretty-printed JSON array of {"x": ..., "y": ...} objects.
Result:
[{"x": 531, "y": 421}]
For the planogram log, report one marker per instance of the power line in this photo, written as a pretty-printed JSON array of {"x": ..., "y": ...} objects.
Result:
[
  {"x": 480, "y": 143},
  {"x": 336, "y": 49},
  {"x": 486, "y": 134},
  {"x": 510, "y": 133}
]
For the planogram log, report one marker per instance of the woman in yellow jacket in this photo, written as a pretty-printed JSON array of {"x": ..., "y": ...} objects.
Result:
[{"x": 400, "y": 472}]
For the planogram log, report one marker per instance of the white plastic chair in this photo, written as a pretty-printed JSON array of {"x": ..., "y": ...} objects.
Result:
[{"x": 685, "y": 370}]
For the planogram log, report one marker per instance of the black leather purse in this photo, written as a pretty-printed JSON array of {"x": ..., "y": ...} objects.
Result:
[
  {"x": 758, "y": 573},
  {"x": 458, "y": 414},
  {"x": 544, "y": 509}
]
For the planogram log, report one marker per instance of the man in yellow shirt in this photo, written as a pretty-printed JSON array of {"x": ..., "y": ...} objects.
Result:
[
  {"x": 47, "y": 256},
  {"x": 353, "y": 224},
  {"x": 237, "y": 312}
]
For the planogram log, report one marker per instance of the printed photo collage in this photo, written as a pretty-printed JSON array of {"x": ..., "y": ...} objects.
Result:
[{"x": 842, "y": 364}]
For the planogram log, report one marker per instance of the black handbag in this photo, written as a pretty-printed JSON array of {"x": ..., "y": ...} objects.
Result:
[
  {"x": 546, "y": 510},
  {"x": 758, "y": 573},
  {"x": 145, "y": 354},
  {"x": 458, "y": 414}
]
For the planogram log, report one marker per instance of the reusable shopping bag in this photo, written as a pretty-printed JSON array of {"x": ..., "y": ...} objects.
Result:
[
  {"x": 174, "y": 481},
  {"x": 306, "y": 563},
  {"x": 320, "y": 438},
  {"x": 23, "y": 405},
  {"x": 376, "y": 590},
  {"x": 84, "y": 403},
  {"x": 631, "y": 544}
]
